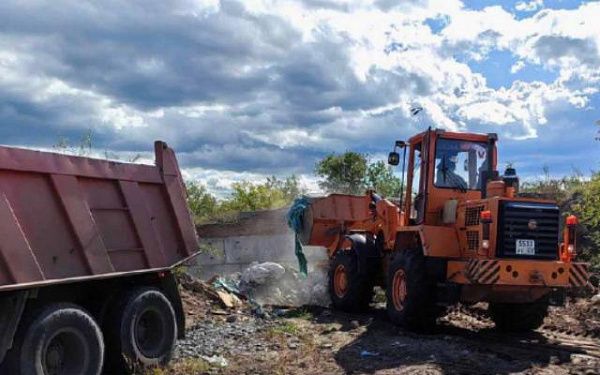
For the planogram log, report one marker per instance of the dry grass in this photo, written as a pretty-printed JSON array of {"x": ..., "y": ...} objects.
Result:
[{"x": 188, "y": 366}]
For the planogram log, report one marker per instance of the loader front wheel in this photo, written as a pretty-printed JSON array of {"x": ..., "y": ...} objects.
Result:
[
  {"x": 350, "y": 290},
  {"x": 410, "y": 297},
  {"x": 518, "y": 317}
]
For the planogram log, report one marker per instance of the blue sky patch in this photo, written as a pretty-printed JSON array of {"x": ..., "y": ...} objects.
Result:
[{"x": 497, "y": 66}]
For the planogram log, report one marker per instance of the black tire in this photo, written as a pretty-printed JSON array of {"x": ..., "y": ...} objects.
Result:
[
  {"x": 61, "y": 339},
  {"x": 141, "y": 331},
  {"x": 357, "y": 293},
  {"x": 518, "y": 317},
  {"x": 410, "y": 293}
]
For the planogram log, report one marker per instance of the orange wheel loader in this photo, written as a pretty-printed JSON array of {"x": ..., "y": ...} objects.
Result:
[{"x": 460, "y": 232}]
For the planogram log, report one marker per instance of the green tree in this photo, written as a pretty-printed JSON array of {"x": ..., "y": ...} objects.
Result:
[
  {"x": 273, "y": 193},
  {"x": 590, "y": 202},
  {"x": 203, "y": 205},
  {"x": 352, "y": 173},
  {"x": 380, "y": 177},
  {"x": 577, "y": 196},
  {"x": 245, "y": 196},
  {"x": 587, "y": 207},
  {"x": 343, "y": 173},
  {"x": 289, "y": 187}
]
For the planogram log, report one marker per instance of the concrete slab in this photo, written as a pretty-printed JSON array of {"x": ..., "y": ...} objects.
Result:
[
  {"x": 212, "y": 251},
  {"x": 205, "y": 272},
  {"x": 248, "y": 249}
]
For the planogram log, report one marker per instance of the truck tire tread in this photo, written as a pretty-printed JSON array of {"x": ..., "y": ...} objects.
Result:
[{"x": 125, "y": 354}]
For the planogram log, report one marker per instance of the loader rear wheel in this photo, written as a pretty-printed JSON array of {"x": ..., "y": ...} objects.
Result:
[
  {"x": 350, "y": 290},
  {"x": 410, "y": 295},
  {"x": 518, "y": 317}
]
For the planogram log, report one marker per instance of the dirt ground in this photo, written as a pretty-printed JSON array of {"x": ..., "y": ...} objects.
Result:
[{"x": 312, "y": 340}]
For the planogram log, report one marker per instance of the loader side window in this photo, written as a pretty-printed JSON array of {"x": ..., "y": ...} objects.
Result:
[
  {"x": 459, "y": 163},
  {"x": 417, "y": 197}
]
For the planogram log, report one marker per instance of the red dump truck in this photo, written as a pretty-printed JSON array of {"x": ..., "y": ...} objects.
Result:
[{"x": 87, "y": 250}]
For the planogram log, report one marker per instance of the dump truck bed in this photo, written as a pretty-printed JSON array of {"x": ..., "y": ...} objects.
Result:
[{"x": 66, "y": 218}]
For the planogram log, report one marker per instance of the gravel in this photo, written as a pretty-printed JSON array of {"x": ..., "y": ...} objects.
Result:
[{"x": 212, "y": 337}]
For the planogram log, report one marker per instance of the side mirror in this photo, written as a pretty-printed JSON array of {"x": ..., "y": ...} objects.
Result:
[{"x": 394, "y": 158}]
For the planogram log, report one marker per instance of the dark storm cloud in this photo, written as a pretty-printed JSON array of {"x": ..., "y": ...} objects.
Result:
[
  {"x": 326, "y": 4},
  {"x": 143, "y": 53},
  {"x": 552, "y": 47},
  {"x": 156, "y": 55},
  {"x": 150, "y": 55}
]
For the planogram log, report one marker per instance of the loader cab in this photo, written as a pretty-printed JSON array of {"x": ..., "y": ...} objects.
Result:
[{"x": 444, "y": 166}]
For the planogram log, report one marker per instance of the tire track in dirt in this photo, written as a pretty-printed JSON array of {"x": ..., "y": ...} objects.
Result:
[{"x": 547, "y": 338}]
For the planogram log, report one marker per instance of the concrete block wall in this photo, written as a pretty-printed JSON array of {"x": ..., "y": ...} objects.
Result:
[{"x": 257, "y": 237}]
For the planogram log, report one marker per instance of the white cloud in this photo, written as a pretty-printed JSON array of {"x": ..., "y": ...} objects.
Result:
[
  {"x": 219, "y": 182},
  {"x": 264, "y": 87},
  {"x": 529, "y": 6},
  {"x": 517, "y": 66}
]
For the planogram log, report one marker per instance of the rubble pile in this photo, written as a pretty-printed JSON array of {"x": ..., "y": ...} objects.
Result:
[
  {"x": 221, "y": 322},
  {"x": 234, "y": 317},
  {"x": 272, "y": 284}
]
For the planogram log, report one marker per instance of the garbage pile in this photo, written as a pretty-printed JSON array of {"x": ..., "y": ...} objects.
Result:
[
  {"x": 272, "y": 284},
  {"x": 216, "y": 289},
  {"x": 262, "y": 284}
]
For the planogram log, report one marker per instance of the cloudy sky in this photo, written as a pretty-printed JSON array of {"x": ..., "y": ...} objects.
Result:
[{"x": 257, "y": 87}]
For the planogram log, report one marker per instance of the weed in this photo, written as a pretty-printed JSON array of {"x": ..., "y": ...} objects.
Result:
[
  {"x": 301, "y": 313},
  {"x": 288, "y": 328},
  {"x": 187, "y": 366}
]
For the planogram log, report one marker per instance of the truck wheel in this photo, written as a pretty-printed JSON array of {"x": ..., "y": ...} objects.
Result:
[
  {"x": 518, "y": 317},
  {"x": 62, "y": 339},
  {"x": 349, "y": 290},
  {"x": 410, "y": 297},
  {"x": 142, "y": 331}
]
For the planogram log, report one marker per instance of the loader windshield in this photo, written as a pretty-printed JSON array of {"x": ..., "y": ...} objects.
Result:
[{"x": 459, "y": 163}]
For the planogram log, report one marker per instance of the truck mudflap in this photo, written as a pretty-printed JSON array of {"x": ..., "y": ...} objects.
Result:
[{"x": 518, "y": 272}]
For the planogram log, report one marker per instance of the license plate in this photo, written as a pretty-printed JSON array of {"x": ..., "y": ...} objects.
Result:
[{"x": 525, "y": 247}]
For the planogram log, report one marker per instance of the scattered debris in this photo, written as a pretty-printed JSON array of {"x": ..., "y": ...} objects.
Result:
[
  {"x": 254, "y": 339},
  {"x": 265, "y": 284},
  {"x": 581, "y": 317},
  {"x": 219, "y": 290},
  {"x": 228, "y": 300},
  {"x": 215, "y": 360}
]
